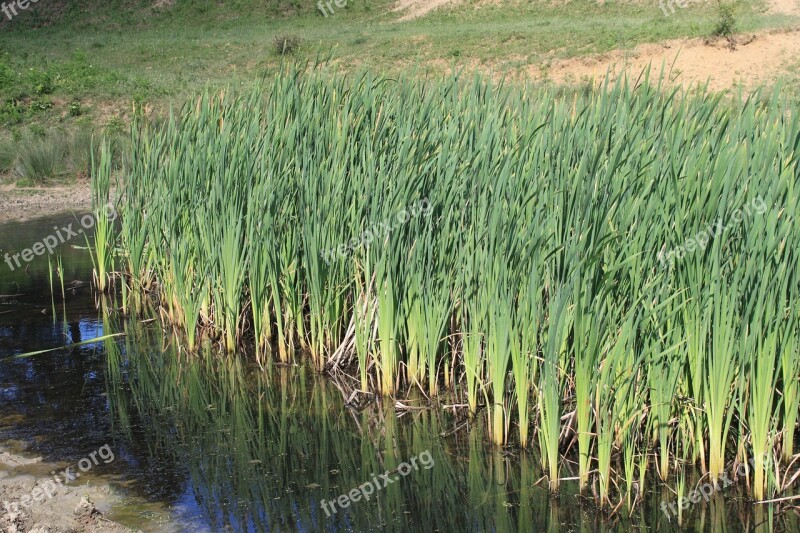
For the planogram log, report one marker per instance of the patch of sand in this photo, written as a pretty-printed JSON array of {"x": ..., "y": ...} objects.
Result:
[
  {"x": 412, "y": 9},
  {"x": 785, "y": 7},
  {"x": 26, "y": 203},
  {"x": 753, "y": 60}
]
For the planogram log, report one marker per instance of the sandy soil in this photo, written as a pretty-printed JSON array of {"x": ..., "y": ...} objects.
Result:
[
  {"x": 747, "y": 61},
  {"x": 72, "y": 508},
  {"x": 26, "y": 203},
  {"x": 785, "y": 7},
  {"x": 412, "y": 9},
  {"x": 750, "y": 61}
]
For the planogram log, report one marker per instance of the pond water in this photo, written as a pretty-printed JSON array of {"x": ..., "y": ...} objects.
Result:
[{"x": 217, "y": 444}]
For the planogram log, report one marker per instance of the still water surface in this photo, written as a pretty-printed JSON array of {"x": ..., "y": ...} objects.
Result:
[{"x": 217, "y": 444}]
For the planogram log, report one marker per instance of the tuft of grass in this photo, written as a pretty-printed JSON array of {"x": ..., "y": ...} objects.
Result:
[
  {"x": 45, "y": 155},
  {"x": 42, "y": 159},
  {"x": 83, "y": 147},
  {"x": 8, "y": 154}
]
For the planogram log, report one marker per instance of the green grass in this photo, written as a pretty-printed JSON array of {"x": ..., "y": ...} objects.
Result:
[
  {"x": 42, "y": 159},
  {"x": 8, "y": 154},
  {"x": 108, "y": 57}
]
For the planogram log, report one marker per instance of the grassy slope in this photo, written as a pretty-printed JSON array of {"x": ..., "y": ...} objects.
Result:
[{"x": 95, "y": 59}]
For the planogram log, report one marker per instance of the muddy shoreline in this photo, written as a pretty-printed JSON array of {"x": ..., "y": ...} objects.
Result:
[
  {"x": 32, "y": 503},
  {"x": 24, "y": 203}
]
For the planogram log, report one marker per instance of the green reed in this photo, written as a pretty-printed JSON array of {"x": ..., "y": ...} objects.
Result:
[{"x": 103, "y": 252}]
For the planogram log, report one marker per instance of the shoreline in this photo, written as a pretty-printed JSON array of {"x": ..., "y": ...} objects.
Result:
[
  {"x": 18, "y": 204},
  {"x": 78, "y": 508}
]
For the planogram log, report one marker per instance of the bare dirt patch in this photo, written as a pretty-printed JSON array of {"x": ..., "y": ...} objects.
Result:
[
  {"x": 17, "y": 203},
  {"x": 70, "y": 509},
  {"x": 785, "y": 7},
  {"x": 412, "y": 9},
  {"x": 748, "y": 62}
]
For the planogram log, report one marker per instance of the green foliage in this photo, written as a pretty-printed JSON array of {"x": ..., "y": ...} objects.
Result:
[
  {"x": 42, "y": 82},
  {"x": 725, "y": 25},
  {"x": 7, "y": 154},
  {"x": 286, "y": 44}
]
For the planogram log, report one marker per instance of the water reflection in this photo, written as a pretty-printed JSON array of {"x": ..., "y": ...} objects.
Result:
[
  {"x": 31, "y": 279},
  {"x": 227, "y": 446},
  {"x": 259, "y": 450}
]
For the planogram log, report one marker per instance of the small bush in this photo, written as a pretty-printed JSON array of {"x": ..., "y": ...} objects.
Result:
[
  {"x": 115, "y": 126},
  {"x": 37, "y": 131},
  {"x": 42, "y": 82},
  {"x": 726, "y": 20},
  {"x": 75, "y": 109},
  {"x": 286, "y": 44}
]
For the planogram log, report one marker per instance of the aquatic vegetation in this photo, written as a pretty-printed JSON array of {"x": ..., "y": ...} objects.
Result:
[
  {"x": 616, "y": 268},
  {"x": 102, "y": 253}
]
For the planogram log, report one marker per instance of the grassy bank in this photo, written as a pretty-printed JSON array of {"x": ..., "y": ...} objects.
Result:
[
  {"x": 608, "y": 273},
  {"x": 94, "y": 61},
  {"x": 68, "y": 68}
]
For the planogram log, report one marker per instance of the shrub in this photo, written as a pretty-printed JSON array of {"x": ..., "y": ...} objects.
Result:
[
  {"x": 726, "y": 20},
  {"x": 42, "y": 82},
  {"x": 75, "y": 109},
  {"x": 286, "y": 44}
]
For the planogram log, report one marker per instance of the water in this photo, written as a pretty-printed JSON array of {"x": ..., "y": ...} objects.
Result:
[{"x": 216, "y": 444}]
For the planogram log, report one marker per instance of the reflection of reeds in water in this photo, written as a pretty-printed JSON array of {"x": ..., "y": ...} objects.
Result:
[{"x": 264, "y": 449}]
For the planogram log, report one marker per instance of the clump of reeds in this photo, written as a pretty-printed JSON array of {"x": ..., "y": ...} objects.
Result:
[{"x": 612, "y": 274}]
